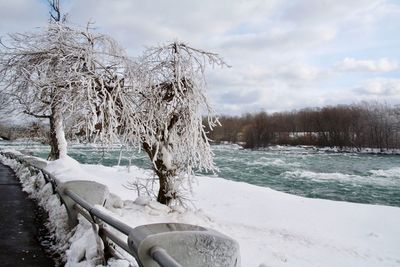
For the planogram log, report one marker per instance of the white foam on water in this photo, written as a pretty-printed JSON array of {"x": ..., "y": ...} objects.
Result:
[
  {"x": 375, "y": 179},
  {"x": 273, "y": 162},
  {"x": 392, "y": 173}
]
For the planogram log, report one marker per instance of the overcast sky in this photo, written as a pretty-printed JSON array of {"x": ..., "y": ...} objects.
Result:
[{"x": 284, "y": 55}]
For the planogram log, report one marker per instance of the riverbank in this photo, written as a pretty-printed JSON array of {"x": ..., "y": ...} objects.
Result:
[{"x": 272, "y": 228}]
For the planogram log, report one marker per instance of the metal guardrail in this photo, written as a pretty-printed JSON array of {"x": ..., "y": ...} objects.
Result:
[{"x": 148, "y": 244}]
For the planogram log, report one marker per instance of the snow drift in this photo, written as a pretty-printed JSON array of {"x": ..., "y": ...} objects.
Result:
[{"x": 272, "y": 228}]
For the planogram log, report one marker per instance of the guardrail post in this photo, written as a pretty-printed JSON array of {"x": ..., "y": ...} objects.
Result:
[
  {"x": 174, "y": 244},
  {"x": 107, "y": 253},
  {"x": 92, "y": 192},
  {"x": 154, "y": 245}
]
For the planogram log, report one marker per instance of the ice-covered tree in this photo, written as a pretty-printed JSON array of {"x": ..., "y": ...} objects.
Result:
[
  {"x": 63, "y": 71},
  {"x": 167, "y": 119}
]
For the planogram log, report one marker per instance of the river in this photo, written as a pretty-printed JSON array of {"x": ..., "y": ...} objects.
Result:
[{"x": 303, "y": 171}]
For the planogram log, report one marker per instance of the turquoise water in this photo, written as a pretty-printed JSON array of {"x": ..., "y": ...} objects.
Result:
[{"x": 361, "y": 178}]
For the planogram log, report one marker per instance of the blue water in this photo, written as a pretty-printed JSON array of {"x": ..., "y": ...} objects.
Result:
[{"x": 361, "y": 178}]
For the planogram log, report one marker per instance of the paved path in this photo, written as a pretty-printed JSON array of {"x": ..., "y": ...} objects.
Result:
[{"x": 19, "y": 245}]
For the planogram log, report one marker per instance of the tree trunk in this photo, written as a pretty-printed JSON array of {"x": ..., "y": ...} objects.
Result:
[
  {"x": 58, "y": 143},
  {"x": 54, "y": 151},
  {"x": 165, "y": 175},
  {"x": 162, "y": 196}
]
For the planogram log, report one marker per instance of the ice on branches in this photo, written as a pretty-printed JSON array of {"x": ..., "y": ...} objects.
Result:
[
  {"x": 61, "y": 72},
  {"x": 156, "y": 102},
  {"x": 167, "y": 120}
]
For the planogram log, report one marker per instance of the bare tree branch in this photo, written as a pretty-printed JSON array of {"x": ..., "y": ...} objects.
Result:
[
  {"x": 55, "y": 13},
  {"x": 167, "y": 121},
  {"x": 62, "y": 72}
]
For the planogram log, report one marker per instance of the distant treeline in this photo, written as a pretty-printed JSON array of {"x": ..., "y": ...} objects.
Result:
[
  {"x": 365, "y": 125},
  {"x": 33, "y": 130}
]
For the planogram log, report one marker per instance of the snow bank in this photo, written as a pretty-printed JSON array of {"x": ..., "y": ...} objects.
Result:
[
  {"x": 279, "y": 229},
  {"x": 272, "y": 228}
]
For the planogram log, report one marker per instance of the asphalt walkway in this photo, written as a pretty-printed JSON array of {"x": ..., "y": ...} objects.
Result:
[{"x": 19, "y": 243}]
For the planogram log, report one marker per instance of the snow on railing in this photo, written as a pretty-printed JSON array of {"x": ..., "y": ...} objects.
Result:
[{"x": 164, "y": 244}]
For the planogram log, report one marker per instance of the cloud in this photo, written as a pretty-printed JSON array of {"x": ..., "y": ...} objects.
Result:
[
  {"x": 314, "y": 11},
  {"x": 254, "y": 88},
  {"x": 380, "y": 87},
  {"x": 284, "y": 54},
  {"x": 297, "y": 73},
  {"x": 380, "y": 65},
  {"x": 253, "y": 75},
  {"x": 242, "y": 97},
  {"x": 144, "y": 23},
  {"x": 21, "y": 15},
  {"x": 278, "y": 39}
]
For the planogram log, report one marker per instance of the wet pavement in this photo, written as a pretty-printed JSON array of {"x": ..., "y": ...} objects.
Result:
[{"x": 19, "y": 234}]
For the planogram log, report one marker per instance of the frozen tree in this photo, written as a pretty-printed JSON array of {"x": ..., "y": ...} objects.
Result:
[
  {"x": 167, "y": 119},
  {"x": 62, "y": 71},
  {"x": 55, "y": 12}
]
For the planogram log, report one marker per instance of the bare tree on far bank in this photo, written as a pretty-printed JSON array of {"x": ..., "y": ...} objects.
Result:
[{"x": 364, "y": 125}]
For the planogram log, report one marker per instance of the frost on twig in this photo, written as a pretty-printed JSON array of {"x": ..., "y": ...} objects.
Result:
[
  {"x": 142, "y": 186},
  {"x": 167, "y": 119},
  {"x": 156, "y": 103},
  {"x": 63, "y": 73}
]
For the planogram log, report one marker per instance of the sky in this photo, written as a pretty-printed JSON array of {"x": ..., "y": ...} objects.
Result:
[{"x": 284, "y": 55}]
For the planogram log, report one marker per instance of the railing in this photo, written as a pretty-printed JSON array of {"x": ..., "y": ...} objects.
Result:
[{"x": 151, "y": 245}]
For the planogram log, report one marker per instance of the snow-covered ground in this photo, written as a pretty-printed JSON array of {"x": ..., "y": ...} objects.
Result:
[{"x": 272, "y": 228}]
